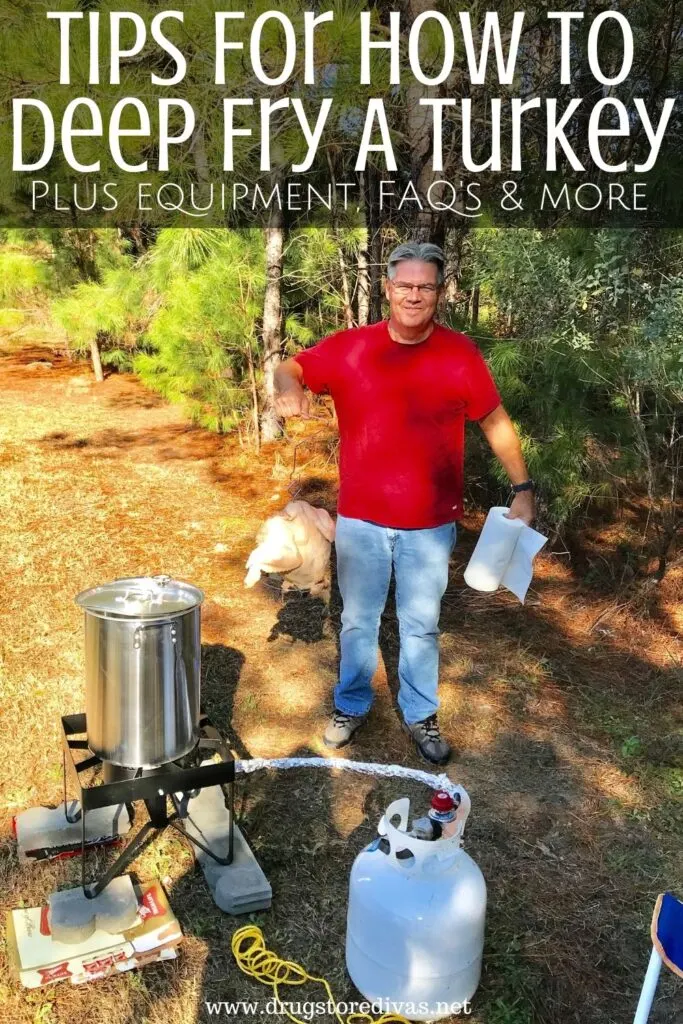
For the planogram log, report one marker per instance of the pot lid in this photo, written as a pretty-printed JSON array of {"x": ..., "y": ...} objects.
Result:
[{"x": 141, "y": 597}]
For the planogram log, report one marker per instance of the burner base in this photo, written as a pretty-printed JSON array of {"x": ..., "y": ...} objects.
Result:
[{"x": 178, "y": 780}]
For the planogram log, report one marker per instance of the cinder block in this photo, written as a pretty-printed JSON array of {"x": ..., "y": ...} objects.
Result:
[
  {"x": 237, "y": 888},
  {"x": 44, "y": 832},
  {"x": 73, "y": 917}
]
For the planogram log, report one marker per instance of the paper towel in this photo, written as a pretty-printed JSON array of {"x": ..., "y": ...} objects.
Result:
[{"x": 504, "y": 555}]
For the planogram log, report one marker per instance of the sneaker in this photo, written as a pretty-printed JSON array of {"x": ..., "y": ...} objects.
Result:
[
  {"x": 431, "y": 746},
  {"x": 341, "y": 728}
]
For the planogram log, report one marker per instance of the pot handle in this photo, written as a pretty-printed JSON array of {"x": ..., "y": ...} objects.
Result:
[
  {"x": 182, "y": 695},
  {"x": 137, "y": 635},
  {"x": 179, "y": 671}
]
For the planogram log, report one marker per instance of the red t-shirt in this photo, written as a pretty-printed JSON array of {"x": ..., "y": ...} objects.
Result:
[{"x": 401, "y": 412}]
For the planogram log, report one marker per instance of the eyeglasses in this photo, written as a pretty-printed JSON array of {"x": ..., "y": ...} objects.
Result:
[{"x": 404, "y": 287}]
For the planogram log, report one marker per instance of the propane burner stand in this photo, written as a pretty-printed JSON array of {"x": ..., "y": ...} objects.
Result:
[{"x": 176, "y": 779}]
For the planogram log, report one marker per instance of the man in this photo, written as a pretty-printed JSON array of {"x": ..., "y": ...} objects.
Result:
[{"x": 402, "y": 389}]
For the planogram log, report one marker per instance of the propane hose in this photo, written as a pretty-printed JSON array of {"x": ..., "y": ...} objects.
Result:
[
  {"x": 441, "y": 781},
  {"x": 253, "y": 958}
]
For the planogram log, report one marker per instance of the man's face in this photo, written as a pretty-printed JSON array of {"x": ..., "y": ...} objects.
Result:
[{"x": 413, "y": 293}]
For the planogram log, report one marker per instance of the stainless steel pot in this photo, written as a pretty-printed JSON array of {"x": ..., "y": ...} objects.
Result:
[{"x": 142, "y": 669}]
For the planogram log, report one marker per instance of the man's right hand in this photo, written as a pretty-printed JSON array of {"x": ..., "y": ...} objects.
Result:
[{"x": 293, "y": 402}]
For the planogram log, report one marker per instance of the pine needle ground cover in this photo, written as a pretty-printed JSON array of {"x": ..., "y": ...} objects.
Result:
[{"x": 563, "y": 715}]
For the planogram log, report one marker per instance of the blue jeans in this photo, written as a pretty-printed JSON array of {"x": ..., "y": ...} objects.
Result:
[{"x": 366, "y": 554}]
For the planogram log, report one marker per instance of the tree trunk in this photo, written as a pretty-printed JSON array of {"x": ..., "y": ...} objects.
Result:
[
  {"x": 254, "y": 397},
  {"x": 363, "y": 285},
  {"x": 429, "y": 223},
  {"x": 83, "y": 245},
  {"x": 346, "y": 292},
  {"x": 96, "y": 361},
  {"x": 474, "y": 306},
  {"x": 198, "y": 150},
  {"x": 374, "y": 247},
  {"x": 272, "y": 317},
  {"x": 376, "y": 276}
]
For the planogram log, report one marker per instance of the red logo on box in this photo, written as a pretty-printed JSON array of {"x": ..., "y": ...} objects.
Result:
[
  {"x": 57, "y": 973},
  {"x": 105, "y": 963},
  {"x": 151, "y": 905}
]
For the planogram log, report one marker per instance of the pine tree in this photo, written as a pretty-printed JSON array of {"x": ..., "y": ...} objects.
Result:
[{"x": 203, "y": 338}]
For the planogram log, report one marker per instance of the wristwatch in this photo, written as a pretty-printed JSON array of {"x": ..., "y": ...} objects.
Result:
[{"x": 528, "y": 485}]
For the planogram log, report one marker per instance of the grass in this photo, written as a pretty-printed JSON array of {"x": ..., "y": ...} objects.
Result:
[
  {"x": 503, "y": 1012},
  {"x": 565, "y": 734}
]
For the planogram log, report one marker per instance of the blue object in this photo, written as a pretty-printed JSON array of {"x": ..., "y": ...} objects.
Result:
[
  {"x": 667, "y": 931},
  {"x": 365, "y": 556},
  {"x": 667, "y": 947}
]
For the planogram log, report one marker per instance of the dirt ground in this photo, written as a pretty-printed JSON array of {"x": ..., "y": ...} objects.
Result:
[{"x": 562, "y": 714}]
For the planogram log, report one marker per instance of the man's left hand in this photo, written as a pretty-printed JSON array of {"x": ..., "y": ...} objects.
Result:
[{"x": 523, "y": 507}]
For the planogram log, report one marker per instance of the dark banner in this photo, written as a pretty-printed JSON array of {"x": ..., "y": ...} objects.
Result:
[{"x": 427, "y": 114}]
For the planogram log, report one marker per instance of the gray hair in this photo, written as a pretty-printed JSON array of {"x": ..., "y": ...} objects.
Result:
[{"x": 425, "y": 251}]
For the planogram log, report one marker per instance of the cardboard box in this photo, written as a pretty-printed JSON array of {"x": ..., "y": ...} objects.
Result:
[{"x": 39, "y": 960}]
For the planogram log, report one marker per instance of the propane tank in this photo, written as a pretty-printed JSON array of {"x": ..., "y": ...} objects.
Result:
[{"x": 415, "y": 923}]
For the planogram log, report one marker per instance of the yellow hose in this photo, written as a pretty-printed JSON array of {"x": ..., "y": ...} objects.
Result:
[{"x": 249, "y": 949}]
